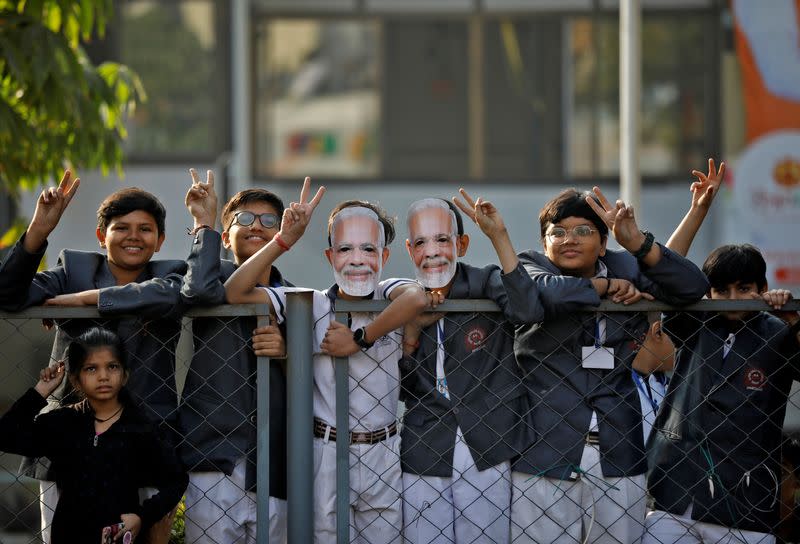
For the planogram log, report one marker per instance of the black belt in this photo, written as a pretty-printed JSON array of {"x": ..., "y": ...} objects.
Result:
[
  {"x": 593, "y": 438},
  {"x": 368, "y": 437}
]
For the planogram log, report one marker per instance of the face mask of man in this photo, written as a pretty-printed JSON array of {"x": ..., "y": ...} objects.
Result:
[
  {"x": 356, "y": 253},
  {"x": 432, "y": 242}
]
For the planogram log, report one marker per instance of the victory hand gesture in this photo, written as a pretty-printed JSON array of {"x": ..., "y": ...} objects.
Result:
[
  {"x": 50, "y": 207},
  {"x": 297, "y": 216},
  {"x": 619, "y": 219},
  {"x": 482, "y": 212},
  {"x": 707, "y": 185},
  {"x": 201, "y": 199}
]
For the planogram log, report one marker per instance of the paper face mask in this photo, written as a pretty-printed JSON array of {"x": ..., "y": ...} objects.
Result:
[
  {"x": 357, "y": 250},
  {"x": 432, "y": 242}
]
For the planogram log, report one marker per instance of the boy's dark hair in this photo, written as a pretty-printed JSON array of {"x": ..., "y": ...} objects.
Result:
[
  {"x": 570, "y": 203},
  {"x": 388, "y": 222},
  {"x": 129, "y": 200},
  {"x": 457, "y": 213},
  {"x": 95, "y": 338},
  {"x": 736, "y": 264},
  {"x": 242, "y": 198}
]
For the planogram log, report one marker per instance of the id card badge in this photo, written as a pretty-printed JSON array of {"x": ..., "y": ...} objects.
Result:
[{"x": 598, "y": 356}]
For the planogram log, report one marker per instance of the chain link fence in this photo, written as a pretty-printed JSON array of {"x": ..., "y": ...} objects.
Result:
[{"x": 474, "y": 444}]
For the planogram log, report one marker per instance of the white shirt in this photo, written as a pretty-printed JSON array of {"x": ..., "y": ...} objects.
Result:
[{"x": 374, "y": 374}]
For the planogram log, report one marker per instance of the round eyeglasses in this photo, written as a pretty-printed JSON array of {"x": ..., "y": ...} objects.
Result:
[
  {"x": 559, "y": 234},
  {"x": 245, "y": 219}
]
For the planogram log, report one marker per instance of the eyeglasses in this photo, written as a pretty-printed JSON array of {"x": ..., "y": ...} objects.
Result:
[
  {"x": 245, "y": 219},
  {"x": 559, "y": 234}
]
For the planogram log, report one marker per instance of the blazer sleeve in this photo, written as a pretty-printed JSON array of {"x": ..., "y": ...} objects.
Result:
[
  {"x": 161, "y": 466},
  {"x": 560, "y": 294},
  {"x": 21, "y": 286},
  {"x": 155, "y": 298},
  {"x": 674, "y": 279},
  {"x": 516, "y": 294},
  {"x": 21, "y": 432},
  {"x": 203, "y": 283}
]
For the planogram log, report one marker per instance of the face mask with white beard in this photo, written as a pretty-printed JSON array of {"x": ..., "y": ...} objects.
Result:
[
  {"x": 434, "y": 226},
  {"x": 358, "y": 279}
]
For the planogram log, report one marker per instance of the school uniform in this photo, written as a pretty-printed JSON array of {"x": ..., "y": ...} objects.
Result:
[
  {"x": 374, "y": 383},
  {"x": 98, "y": 475},
  {"x": 715, "y": 453},
  {"x": 587, "y": 465},
  {"x": 652, "y": 389},
  {"x": 217, "y": 411},
  {"x": 149, "y": 329},
  {"x": 467, "y": 414}
]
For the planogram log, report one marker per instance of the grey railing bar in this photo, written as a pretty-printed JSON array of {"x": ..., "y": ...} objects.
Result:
[
  {"x": 342, "y": 372},
  {"x": 300, "y": 410},
  {"x": 262, "y": 435}
]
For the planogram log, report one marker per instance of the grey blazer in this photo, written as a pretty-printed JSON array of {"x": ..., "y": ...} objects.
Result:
[
  {"x": 218, "y": 405},
  {"x": 565, "y": 393},
  {"x": 488, "y": 400}
]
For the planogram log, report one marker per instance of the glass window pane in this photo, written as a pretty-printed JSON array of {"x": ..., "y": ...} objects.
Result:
[
  {"x": 675, "y": 83},
  {"x": 172, "y": 46},
  {"x": 317, "y": 98}
]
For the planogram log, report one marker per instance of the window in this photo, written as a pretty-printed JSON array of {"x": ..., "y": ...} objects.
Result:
[
  {"x": 175, "y": 48},
  {"x": 530, "y": 97}
]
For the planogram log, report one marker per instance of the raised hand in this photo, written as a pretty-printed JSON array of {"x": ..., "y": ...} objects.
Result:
[
  {"x": 201, "y": 199},
  {"x": 298, "y": 214},
  {"x": 50, "y": 378},
  {"x": 707, "y": 185},
  {"x": 50, "y": 207},
  {"x": 482, "y": 212},
  {"x": 619, "y": 219}
]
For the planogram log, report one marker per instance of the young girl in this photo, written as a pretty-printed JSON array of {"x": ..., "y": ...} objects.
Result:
[{"x": 104, "y": 448}]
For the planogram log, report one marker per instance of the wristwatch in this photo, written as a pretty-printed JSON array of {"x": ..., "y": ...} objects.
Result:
[
  {"x": 360, "y": 338},
  {"x": 642, "y": 252}
]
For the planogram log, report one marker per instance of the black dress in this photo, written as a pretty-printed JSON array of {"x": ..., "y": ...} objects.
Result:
[{"x": 99, "y": 475}]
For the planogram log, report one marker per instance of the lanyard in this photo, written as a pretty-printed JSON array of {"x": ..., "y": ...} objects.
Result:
[
  {"x": 599, "y": 331},
  {"x": 646, "y": 390}
]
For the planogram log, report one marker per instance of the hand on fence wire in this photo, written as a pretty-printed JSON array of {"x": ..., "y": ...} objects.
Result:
[
  {"x": 268, "y": 341},
  {"x": 50, "y": 378},
  {"x": 201, "y": 199},
  {"x": 624, "y": 291},
  {"x": 707, "y": 185},
  {"x": 298, "y": 214}
]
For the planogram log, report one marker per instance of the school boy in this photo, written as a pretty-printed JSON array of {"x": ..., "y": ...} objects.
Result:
[
  {"x": 218, "y": 405},
  {"x": 467, "y": 410},
  {"x": 583, "y": 480},
  {"x": 123, "y": 281},
  {"x": 358, "y": 234},
  {"x": 715, "y": 453}
]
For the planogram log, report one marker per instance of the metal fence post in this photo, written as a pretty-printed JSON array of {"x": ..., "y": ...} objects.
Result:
[
  {"x": 262, "y": 436},
  {"x": 300, "y": 411},
  {"x": 341, "y": 365}
]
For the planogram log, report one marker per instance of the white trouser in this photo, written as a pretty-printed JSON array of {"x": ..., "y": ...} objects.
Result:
[
  {"x": 665, "y": 528},
  {"x": 470, "y": 506},
  {"x": 610, "y": 510},
  {"x": 220, "y": 511},
  {"x": 376, "y": 485},
  {"x": 48, "y": 499}
]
